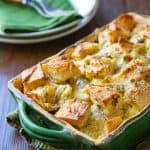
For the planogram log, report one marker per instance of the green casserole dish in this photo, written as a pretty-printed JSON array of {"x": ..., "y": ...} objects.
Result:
[{"x": 61, "y": 134}]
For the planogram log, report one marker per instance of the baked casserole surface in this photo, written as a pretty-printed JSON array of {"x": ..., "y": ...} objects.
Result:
[{"x": 98, "y": 83}]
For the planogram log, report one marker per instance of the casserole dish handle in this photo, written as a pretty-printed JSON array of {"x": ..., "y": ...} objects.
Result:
[{"x": 41, "y": 128}]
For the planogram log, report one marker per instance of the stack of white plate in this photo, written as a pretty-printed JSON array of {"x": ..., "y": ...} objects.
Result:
[{"x": 87, "y": 8}]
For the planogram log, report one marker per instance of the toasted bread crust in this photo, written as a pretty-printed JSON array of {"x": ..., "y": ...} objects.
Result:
[
  {"x": 74, "y": 111},
  {"x": 62, "y": 68}
]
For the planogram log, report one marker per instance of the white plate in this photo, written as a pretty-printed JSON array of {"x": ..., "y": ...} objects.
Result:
[
  {"x": 78, "y": 5},
  {"x": 49, "y": 37},
  {"x": 81, "y": 24}
]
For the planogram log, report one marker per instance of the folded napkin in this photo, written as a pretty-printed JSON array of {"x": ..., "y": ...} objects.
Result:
[{"x": 23, "y": 18}]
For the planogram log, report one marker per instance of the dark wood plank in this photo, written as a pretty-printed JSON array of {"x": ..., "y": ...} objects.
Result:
[
  {"x": 15, "y": 58},
  {"x": 110, "y": 9},
  {"x": 139, "y": 6}
]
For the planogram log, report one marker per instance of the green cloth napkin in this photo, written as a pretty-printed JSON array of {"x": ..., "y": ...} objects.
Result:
[{"x": 23, "y": 18}]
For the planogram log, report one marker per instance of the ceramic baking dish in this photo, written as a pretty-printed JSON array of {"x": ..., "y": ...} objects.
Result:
[{"x": 62, "y": 134}]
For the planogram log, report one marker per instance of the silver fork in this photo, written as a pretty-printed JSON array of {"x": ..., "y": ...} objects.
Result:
[{"x": 44, "y": 9}]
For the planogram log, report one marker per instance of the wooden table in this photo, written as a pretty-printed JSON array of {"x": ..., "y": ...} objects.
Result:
[{"x": 15, "y": 58}]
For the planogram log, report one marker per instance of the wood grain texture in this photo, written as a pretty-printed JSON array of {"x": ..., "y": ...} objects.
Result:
[{"x": 15, "y": 58}]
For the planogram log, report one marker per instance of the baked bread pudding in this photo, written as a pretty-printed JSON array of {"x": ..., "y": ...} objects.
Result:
[{"x": 98, "y": 83}]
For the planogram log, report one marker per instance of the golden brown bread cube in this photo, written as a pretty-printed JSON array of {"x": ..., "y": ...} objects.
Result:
[
  {"x": 75, "y": 112},
  {"x": 107, "y": 97},
  {"x": 112, "y": 33},
  {"x": 140, "y": 32},
  {"x": 129, "y": 47},
  {"x": 126, "y": 21},
  {"x": 113, "y": 123},
  {"x": 136, "y": 69},
  {"x": 62, "y": 68},
  {"x": 143, "y": 72},
  {"x": 85, "y": 49},
  {"x": 45, "y": 97},
  {"x": 140, "y": 93},
  {"x": 99, "y": 67},
  {"x": 102, "y": 93},
  {"x": 33, "y": 77}
]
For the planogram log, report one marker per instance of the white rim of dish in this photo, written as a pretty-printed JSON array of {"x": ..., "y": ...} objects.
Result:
[
  {"x": 49, "y": 31},
  {"x": 81, "y": 24}
]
